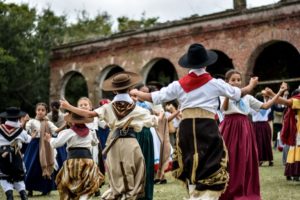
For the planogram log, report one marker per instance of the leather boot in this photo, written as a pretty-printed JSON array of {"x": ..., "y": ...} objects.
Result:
[
  {"x": 23, "y": 195},
  {"x": 9, "y": 195}
]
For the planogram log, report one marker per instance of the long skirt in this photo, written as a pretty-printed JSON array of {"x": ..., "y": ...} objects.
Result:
[
  {"x": 34, "y": 179},
  {"x": 78, "y": 177},
  {"x": 201, "y": 156},
  {"x": 239, "y": 137},
  {"x": 263, "y": 141},
  {"x": 146, "y": 143},
  {"x": 292, "y": 166}
]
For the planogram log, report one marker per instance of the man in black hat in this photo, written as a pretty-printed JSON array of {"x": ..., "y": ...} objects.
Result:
[
  {"x": 12, "y": 136},
  {"x": 201, "y": 155}
]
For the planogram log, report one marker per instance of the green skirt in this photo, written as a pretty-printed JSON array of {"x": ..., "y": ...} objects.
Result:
[{"x": 146, "y": 142}]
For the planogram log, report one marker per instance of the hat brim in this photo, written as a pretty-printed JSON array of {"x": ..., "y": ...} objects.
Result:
[
  {"x": 134, "y": 80},
  {"x": 69, "y": 118},
  {"x": 212, "y": 58},
  {"x": 5, "y": 115}
]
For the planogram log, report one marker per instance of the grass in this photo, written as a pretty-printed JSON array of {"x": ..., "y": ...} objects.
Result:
[{"x": 272, "y": 182}]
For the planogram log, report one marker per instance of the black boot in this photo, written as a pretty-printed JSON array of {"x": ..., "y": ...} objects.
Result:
[
  {"x": 23, "y": 195},
  {"x": 9, "y": 195}
]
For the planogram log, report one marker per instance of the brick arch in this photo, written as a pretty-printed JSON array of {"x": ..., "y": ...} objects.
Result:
[
  {"x": 159, "y": 70},
  {"x": 276, "y": 61},
  {"x": 103, "y": 75},
  {"x": 221, "y": 66},
  {"x": 65, "y": 80}
]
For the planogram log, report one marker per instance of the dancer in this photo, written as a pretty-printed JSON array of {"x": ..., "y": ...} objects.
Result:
[
  {"x": 12, "y": 135},
  {"x": 201, "y": 155},
  {"x": 79, "y": 178},
  {"x": 239, "y": 137},
  {"x": 125, "y": 161}
]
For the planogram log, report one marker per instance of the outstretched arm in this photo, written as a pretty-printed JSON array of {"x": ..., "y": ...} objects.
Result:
[
  {"x": 142, "y": 95},
  {"x": 275, "y": 97},
  {"x": 252, "y": 84},
  {"x": 85, "y": 113},
  {"x": 280, "y": 100}
]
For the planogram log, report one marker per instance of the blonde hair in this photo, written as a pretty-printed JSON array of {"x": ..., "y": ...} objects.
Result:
[{"x": 86, "y": 99}]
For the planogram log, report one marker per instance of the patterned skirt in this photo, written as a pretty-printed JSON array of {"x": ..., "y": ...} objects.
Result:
[{"x": 78, "y": 177}]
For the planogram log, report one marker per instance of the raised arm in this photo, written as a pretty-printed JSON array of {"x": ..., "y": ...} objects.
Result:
[
  {"x": 252, "y": 84},
  {"x": 280, "y": 100},
  {"x": 85, "y": 113},
  {"x": 275, "y": 97}
]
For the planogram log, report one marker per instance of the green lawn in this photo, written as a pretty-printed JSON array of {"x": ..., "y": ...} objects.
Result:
[{"x": 273, "y": 186}]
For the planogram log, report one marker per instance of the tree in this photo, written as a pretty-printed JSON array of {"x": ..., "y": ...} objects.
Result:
[
  {"x": 126, "y": 24},
  {"x": 87, "y": 28}
]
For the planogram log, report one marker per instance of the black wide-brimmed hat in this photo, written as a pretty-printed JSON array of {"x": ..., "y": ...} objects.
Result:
[
  {"x": 77, "y": 119},
  {"x": 121, "y": 81},
  {"x": 12, "y": 113},
  {"x": 197, "y": 57}
]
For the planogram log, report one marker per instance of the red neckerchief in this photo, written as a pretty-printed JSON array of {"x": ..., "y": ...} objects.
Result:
[
  {"x": 80, "y": 129},
  {"x": 192, "y": 81},
  {"x": 289, "y": 126}
]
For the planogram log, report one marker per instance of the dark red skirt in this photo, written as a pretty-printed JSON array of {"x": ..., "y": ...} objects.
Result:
[
  {"x": 263, "y": 139},
  {"x": 240, "y": 140}
]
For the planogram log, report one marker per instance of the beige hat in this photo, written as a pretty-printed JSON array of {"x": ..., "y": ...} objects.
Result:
[{"x": 121, "y": 81}]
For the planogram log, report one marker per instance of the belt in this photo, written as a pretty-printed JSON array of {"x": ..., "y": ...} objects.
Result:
[
  {"x": 197, "y": 113},
  {"x": 79, "y": 152}
]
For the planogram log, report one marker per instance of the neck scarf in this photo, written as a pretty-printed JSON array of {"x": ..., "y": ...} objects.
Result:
[
  {"x": 46, "y": 152},
  {"x": 80, "y": 129},
  {"x": 289, "y": 126},
  {"x": 192, "y": 81}
]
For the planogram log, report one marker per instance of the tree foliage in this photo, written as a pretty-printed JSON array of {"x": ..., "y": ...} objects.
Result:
[
  {"x": 126, "y": 24},
  {"x": 26, "y": 40}
]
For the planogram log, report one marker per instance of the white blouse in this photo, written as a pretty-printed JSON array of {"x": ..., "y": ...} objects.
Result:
[
  {"x": 243, "y": 106},
  {"x": 34, "y": 124},
  {"x": 69, "y": 137},
  {"x": 261, "y": 116}
]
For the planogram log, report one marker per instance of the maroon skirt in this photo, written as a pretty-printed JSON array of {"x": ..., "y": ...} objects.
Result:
[
  {"x": 240, "y": 140},
  {"x": 263, "y": 139}
]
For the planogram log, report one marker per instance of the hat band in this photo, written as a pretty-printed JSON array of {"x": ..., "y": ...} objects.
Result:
[{"x": 120, "y": 84}]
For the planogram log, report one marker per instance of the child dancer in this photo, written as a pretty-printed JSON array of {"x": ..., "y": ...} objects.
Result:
[
  {"x": 240, "y": 140},
  {"x": 263, "y": 132},
  {"x": 12, "y": 135},
  {"x": 125, "y": 162},
  {"x": 39, "y": 156},
  {"x": 201, "y": 155},
  {"x": 79, "y": 177},
  {"x": 86, "y": 104}
]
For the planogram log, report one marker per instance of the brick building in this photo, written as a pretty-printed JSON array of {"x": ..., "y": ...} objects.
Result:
[{"x": 264, "y": 41}]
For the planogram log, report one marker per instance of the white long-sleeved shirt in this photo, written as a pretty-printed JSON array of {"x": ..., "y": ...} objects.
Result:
[
  {"x": 34, "y": 124},
  {"x": 205, "y": 97},
  {"x": 70, "y": 138}
]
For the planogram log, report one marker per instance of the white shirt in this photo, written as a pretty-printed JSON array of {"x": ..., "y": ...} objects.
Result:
[
  {"x": 34, "y": 124},
  {"x": 243, "y": 106},
  {"x": 261, "y": 116},
  {"x": 73, "y": 140},
  {"x": 205, "y": 97}
]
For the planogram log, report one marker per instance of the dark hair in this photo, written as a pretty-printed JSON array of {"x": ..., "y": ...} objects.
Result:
[
  {"x": 173, "y": 102},
  {"x": 259, "y": 96},
  {"x": 295, "y": 92},
  {"x": 229, "y": 73},
  {"x": 54, "y": 108},
  {"x": 42, "y": 104}
]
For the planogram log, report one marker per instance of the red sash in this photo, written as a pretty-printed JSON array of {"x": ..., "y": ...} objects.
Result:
[{"x": 192, "y": 81}]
